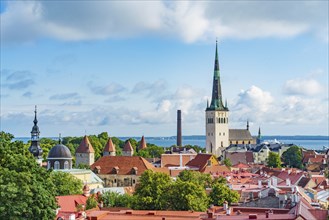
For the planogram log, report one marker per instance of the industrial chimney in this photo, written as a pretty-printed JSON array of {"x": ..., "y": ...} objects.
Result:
[{"x": 179, "y": 128}]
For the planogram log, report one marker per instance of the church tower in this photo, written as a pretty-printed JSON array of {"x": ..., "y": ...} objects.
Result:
[
  {"x": 217, "y": 131},
  {"x": 35, "y": 148}
]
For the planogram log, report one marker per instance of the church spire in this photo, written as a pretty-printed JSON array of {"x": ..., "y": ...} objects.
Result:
[
  {"x": 216, "y": 99},
  {"x": 259, "y": 137},
  {"x": 35, "y": 148}
]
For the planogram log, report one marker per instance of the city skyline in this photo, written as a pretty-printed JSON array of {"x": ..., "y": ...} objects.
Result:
[{"x": 126, "y": 68}]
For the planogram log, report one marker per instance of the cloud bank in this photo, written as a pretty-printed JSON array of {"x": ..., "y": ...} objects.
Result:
[{"x": 27, "y": 21}]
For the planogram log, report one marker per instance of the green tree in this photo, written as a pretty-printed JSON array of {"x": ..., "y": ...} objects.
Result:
[
  {"x": 151, "y": 191},
  {"x": 91, "y": 202},
  {"x": 114, "y": 199},
  {"x": 66, "y": 183},
  {"x": 187, "y": 196},
  {"x": 152, "y": 151},
  {"x": 274, "y": 160},
  {"x": 293, "y": 157},
  {"x": 221, "y": 193},
  {"x": 27, "y": 191},
  {"x": 195, "y": 177},
  {"x": 227, "y": 162}
]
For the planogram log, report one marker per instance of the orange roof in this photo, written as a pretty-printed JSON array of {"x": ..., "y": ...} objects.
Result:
[
  {"x": 125, "y": 165},
  {"x": 69, "y": 203},
  {"x": 201, "y": 161},
  {"x": 241, "y": 166},
  {"x": 142, "y": 144},
  {"x": 109, "y": 147},
  {"x": 128, "y": 146},
  {"x": 170, "y": 160},
  {"x": 217, "y": 169},
  {"x": 85, "y": 146}
]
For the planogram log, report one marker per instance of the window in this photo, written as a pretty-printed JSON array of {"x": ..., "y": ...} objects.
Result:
[
  {"x": 223, "y": 133},
  {"x": 66, "y": 165},
  {"x": 210, "y": 120},
  {"x": 56, "y": 165},
  {"x": 224, "y": 120},
  {"x": 221, "y": 143},
  {"x": 48, "y": 165},
  {"x": 220, "y": 134}
]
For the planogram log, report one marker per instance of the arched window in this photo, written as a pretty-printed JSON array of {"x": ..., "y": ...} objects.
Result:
[
  {"x": 48, "y": 165},
  {"x": 66, "y": 165},
  {"x": 56, "y": 165}
]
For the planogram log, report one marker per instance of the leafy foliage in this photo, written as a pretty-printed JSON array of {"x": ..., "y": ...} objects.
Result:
[
  {"x": 227, "y": 162},
  {"x": 114, "y": 199},
  {"x": 66, "y": 183},
  {"x": 221, "y": 193},
  {"x": 152, "y": 151},
  {"x": 274, "y": 160},
  {"x": 185, "y": 195},
  {"x": 195, "y": 177},
  {"x": 91, "y": 202},
  {"x": 293, "y": 157},
  {"x": 151, "y": 191},
  {"x": 27, "y": 191}
]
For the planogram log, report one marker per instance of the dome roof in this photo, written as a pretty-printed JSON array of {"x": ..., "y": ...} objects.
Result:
[{"x": 59, "y": 151}]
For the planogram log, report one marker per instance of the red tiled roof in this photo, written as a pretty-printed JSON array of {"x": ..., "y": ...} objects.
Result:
[
  {"x": 168, "y": 160},
  {"x": 128, "y": 146},
  {"x": 142, "y": 144},
  {"x": 240, "y": 157},
  {"x": 85, "y": 146},
  {"x": 124, "y": 163},
  {"x": 109, "y": 147},
  {"x": 241, "y": 166},
  {"x": 316, "y": 159},
  {"x": 69, "y": 203},
  {"x": 217, "y": 169},
  {"x": 201, "y": 161}
]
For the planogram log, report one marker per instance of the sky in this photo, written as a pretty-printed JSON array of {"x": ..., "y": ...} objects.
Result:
[{"x": 125, "y": 67}]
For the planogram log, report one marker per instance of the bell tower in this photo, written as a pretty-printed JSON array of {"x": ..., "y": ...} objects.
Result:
[
  {"x": 35, "y": 148},
  {"x": 217, "y": 129}
]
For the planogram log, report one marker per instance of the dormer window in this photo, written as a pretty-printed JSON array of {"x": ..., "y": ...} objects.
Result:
[
  {"x": 115, "y": 170},
  {"x": 134, "y": 171}
]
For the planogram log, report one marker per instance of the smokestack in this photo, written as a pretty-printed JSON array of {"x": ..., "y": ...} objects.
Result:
[{"x": 179, "y": 128}]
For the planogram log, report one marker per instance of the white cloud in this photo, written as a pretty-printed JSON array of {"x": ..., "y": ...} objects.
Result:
[
  {"x": 303, "y": 86},
  {"x": 25, "y": 21}
]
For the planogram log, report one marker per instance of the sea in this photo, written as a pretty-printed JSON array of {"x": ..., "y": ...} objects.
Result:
[{"x": 308, "y": 142}]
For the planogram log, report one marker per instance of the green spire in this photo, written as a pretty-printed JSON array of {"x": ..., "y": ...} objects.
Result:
[{"x": 216, "y": 100}]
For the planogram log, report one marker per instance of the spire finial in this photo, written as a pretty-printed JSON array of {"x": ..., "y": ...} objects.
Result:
[
  {"x": 59, "y": 139},
  {"x": 35, "y": 121},
  {"x": 247, "y": 124}
]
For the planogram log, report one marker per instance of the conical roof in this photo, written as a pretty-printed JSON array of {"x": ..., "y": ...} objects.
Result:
[
  {"x": 142, "y": 143},
  {"x": 85, "y": 146},
  {"x": 128, "y": 147},
  {"x": 109, "y": 147}
]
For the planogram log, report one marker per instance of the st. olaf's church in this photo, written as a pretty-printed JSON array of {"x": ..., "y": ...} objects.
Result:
[{"x": 218, "y": 134}]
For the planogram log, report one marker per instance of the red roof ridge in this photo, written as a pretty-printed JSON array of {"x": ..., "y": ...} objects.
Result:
[
  {"x": 128, "y": 146},
  {"x": 109, "y": 147},
  {"x": 85, "y": 146}
]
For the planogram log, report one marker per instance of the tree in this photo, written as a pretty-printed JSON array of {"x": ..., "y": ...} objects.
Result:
[
  {"x": 273, "y": 160},
  {"x": 195, "y": 177},
  {"x": 151, "y": 191},
  {"x": 227, "y": 162},
  {"x": 66, "y": 183},
  {"x": 151, "y": 151},
  {"x": 187, "y": 196},
  {"x": 27, "y": 191},
  {"x": 114, "y": 199},
  {"x": 293, "y": 157},
  {"x": 91, "y": 202},
  {"x": 221, "y": 193}
]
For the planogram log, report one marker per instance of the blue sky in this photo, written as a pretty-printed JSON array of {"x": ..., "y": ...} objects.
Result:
[{"x": 126, "y": 67}]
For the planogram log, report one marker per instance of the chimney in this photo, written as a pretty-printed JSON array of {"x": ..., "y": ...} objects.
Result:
[
  {"x": 288, "y": 182},
  {"x": 225, "y": 205},
  {"x": 179, "y": 128},
  {"x": 259, "y": 184}
]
